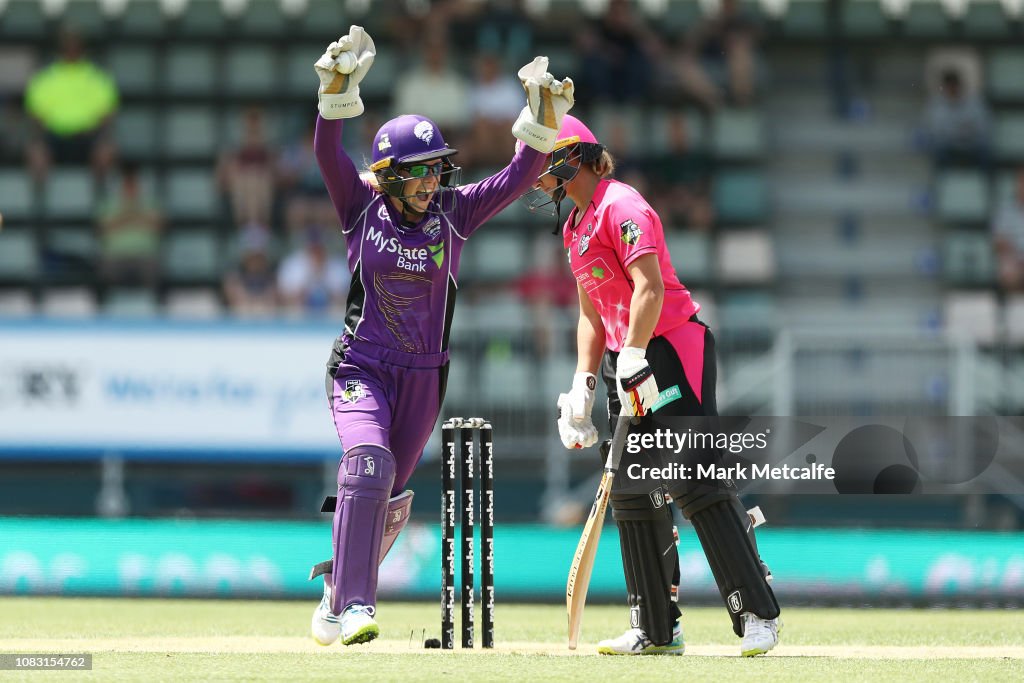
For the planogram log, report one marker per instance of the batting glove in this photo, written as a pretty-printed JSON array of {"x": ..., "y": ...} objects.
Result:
[
  {"x": 575, "y": 427},
  {"x": 547, "y": 101},
  {"x": 341, "y": 68},
  {"x": 574, "y": 433},
  {"x": 635, "y": 382}
]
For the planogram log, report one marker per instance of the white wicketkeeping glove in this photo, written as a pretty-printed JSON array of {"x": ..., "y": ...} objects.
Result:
[
  {"x": 341, "y": 68},
  {"x": 635, "y": 382},
  {"x": 547, "y": 101},
  {"x": 575, "y": 428}
]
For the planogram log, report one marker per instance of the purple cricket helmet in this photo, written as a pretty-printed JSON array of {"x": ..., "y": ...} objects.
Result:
[
  {"x": 404, "y": 141},
  {"x": 407, "y": 139}
]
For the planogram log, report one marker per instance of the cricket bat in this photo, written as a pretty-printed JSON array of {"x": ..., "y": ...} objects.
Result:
[{"x": 586, "y": 550}]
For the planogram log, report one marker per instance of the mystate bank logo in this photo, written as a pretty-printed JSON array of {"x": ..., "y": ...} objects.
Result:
[{"x": 412, "y": 259}]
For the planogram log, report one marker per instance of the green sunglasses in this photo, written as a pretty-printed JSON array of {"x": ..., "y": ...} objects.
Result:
[{"x": 423, "y": 170}]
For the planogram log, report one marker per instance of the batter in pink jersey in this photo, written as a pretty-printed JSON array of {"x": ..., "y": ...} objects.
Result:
[
  {"x": 618, "y": 228},
  {"x": 638, "y": 329}
]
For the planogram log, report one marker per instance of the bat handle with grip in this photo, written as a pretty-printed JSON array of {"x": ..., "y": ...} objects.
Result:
[{"x": 619, "y": 441}]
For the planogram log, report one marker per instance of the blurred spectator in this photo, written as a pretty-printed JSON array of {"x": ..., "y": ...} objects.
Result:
[
  {"x": 433, "y": 89},
  {"x": 72, "y": 101},
  {"x": 962, "y": 59},
  {"x": 409, "y": 20},
  {"x": 718, "y": 57},
  {"x": 505, "y": 30},
  {"x": 250, "y": 288},
  {"x": 1008, "y": 236},
  {"x": 681, "y": 180},
  {"x": 549, "y": 290},
  {"x": 302, "y": 188},
  {"x": 494, "y": 102},
  {"x": 311, "y": 281},
  {"x": 617, "y": 56},
  {"x": 957, "y": 123},
  {"x": 129, "y": 229},
  {"x": 246, "y": 173}
]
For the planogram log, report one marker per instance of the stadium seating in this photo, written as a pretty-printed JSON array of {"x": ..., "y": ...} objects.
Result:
[
  {"x": 1005, "y": 65},
  {"x": 985, "y": 19},
  {"x": 202, "y": 18},
  {"x": 973, "y": 316},
  {"x": 926, "y": 19},
  {"x": 190, "y": 194},
  {"x": 69, "y": 302},
  {"x": 193, "y": 304},
  {"x": 299, "y": 78},
  {"x": 962, "y": 197},
  {"x": 87, "y": 17},
  {"x": 1008, "y": 137},
  {"x": 263, "y": 18},
  {"x": 136, "y": 133},
  {"x": 19, "y": 258},
  {"x": 191, "y": 69},
  {"x": 133, "y": 68},
  {"x": 192, "y": 256},
  {"x": 493, "y": 256},
  {"x": 753, "y": 312},
  {"x": 185, "y": 79},
  {"x": 509, "y": 379},
  {"x": 864, "y": 19},
  {"x": 745, "y": 258},
  {"x": 23, "y": 18},
  {"x": 18, "y": 195},
  {"x": 16, "y": 303},
  {"x": 676, "y": 17},
  {"x": 737, "y": 134},
  {"x": 1014, "y": 319},
  {"x": 691, "y": 255},
  {"x": 190, "y": 132},
  {"x": 141, "y": 20},
  {"x": 805, "y": 19},
  {"x": 68, "y": 194},
  {"x": 130, "y": 303},
  {"x": 75, "y": 248},
  {"x": 968, "y": 259},
  {"x": 741, "y": 196},
  {"x": 253, "y": 69},
  {"x": 320, "y": 17}
]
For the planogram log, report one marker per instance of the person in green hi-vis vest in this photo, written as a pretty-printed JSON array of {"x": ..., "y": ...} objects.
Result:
[{"x": 71, "y": 101}]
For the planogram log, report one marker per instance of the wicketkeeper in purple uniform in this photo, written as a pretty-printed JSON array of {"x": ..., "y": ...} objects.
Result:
[{"x": 405, "y": 223}]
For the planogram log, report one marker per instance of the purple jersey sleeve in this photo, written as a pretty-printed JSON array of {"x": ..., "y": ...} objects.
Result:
[
  {"x": 481, "y": 201},
  {"x": 348, "y": 192}
]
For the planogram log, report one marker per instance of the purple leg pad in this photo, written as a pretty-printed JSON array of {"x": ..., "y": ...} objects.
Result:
[
  {"x": 365, "y": 478},
  {"x": 399, "y": 509}
]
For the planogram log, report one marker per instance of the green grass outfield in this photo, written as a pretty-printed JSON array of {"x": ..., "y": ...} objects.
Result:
[{"x": 171, "y": 640}]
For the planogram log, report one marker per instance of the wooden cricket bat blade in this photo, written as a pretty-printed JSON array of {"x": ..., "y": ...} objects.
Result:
[{"x": 583, "y": 561}]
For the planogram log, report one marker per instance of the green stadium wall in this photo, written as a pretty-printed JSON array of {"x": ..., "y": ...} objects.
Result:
[{"x": 272, "y": 560}]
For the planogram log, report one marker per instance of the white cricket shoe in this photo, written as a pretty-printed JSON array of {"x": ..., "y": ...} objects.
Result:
[
  {"x": 357, "y": 624},
  {"x": 635, "y": 642},
  {"x": 325, "y": 627},
  {"x": 759, "y": 635}
]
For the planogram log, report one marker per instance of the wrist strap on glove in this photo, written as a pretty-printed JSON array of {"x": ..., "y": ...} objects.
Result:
[
  {"x": 342, "y": 105},
  {"x": 539, "y": 137}
]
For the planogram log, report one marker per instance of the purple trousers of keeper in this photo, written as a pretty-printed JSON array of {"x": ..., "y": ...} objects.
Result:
[{"x": 385, "y": 404}]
